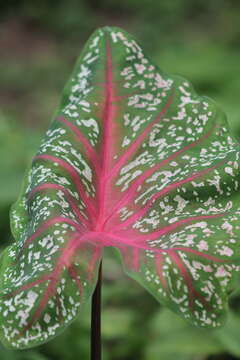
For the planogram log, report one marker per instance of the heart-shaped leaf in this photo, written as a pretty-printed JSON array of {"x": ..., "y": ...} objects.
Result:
[{"x": 135, "y": 160}]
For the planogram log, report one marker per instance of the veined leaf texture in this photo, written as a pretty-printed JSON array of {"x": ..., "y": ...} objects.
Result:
[{"x": 134, "y": 159}]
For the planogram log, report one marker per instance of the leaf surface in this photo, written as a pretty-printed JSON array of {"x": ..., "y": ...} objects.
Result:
[{"x": 136, "y": 160}]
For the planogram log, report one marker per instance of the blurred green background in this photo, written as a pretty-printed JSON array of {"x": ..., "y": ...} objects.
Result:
[{"x": 39, "y": 43}]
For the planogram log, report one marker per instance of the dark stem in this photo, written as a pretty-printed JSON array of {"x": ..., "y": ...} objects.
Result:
[{"x": 96, "y": 344}]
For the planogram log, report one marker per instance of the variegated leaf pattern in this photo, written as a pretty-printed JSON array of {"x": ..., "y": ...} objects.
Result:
[{"x": 134, "y": 159}]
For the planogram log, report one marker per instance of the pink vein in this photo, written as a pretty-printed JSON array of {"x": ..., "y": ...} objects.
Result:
[
  {"x": 140, "y": 240},
  {"x": 70, "y": 198},
  {"x": 133, "y": 147},
  {"x": 187, "y": 278},
  {"x": 64, "y": 259},
  {"x": 169, "y": 228},
  {"x": 126, "y": 96},
  {"x": 29, "y": 285},
  {"x": 76, "y": 179},
  {"x": 199, "y": 253},
  {"x": 89, "y": 148},
  {"x": 140, "y": 213},
  {"x": 131, "y": 191},
  {"x": 46, "y": 225}
]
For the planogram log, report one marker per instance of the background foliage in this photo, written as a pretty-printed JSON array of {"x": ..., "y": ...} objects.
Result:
[{"x": 39, "y": 44}]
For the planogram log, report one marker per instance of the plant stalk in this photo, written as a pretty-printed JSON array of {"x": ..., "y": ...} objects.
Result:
[{"x": 96, "y": 342}]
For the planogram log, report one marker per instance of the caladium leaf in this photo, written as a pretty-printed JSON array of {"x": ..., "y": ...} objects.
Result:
[{"x": 136, "y": 160}]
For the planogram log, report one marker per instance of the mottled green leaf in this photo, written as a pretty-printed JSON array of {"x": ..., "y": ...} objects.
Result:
[{"x": 134, "y": 159}]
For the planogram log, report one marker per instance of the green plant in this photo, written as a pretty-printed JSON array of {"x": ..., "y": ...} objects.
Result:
[{"x": 135, "y": 160}]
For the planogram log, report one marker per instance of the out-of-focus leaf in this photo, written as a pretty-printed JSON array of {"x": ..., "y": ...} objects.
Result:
[
  {"x": 229, "y": 335},
  {"x": 171, "y": 336},
  {"x": 20, "y": 355},
  {"x": 116, "y": 323},
  {"x": 16, "y": 147}
]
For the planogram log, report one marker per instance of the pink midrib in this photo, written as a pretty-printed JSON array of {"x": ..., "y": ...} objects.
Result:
[
  {"x": 108, "y": 116},
  {"x": 107, "y": 173}
]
